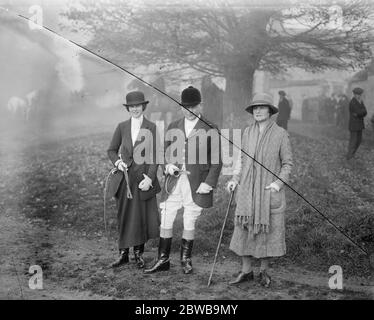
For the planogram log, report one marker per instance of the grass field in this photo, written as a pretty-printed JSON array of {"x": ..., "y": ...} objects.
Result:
[{"x": 60, "y": 184}]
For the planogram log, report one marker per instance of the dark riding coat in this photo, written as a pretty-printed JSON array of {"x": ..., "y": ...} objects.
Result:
[
  {"x": 202, "y": 141},
  {"x": 357, "y": 113},
  {"x": 138, "y": 220}
]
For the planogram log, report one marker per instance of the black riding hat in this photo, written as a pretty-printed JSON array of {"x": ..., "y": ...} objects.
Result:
[
  {"x": 135, "y": 98},
  {"x": 190, "y": 97}
]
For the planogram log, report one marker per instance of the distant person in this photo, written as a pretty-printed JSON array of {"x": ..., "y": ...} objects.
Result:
[
  {"x": 138, "y": 218},
  {"x": 357, "y": 113},
  {"x": 314, "y": 109},
  {"x": 212, "y": 101},
  {"x": 304, "y": 109},
  {"x": 322, "y": 117},
  {"x": 259, "y": 224},
  {"x": 284, "y": 110},
  {"x": 342, "y": 112},
  {"x": 329, "y": 106}
]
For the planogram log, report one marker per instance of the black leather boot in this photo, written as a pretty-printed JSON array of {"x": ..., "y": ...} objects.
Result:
[
  {"x": 123, "y": 258},
  {"x": 163, "y": 262},
  {"x": 138, "y": 253},
  {"x": 186, "y": 252}
]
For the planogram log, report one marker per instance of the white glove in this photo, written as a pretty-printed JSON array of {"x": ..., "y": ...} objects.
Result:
[
  {"x": 231, "y": 185},
  {"x": 146, "y": 183},
  {"x": 121, "y": 165},
  {"x": 204, "y": 188},
  {"x": 171, "y": 168},
  {"x": 273, "y": 186}
]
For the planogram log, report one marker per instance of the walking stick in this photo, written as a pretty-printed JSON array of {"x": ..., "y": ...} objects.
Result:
[{"x": 220, "y": 238}]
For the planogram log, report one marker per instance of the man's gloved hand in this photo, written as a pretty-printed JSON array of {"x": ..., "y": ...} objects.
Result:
[
  {"x": 231, "y": 185},
  {"x": 121, "y": 165},
  {"x": 204, "y": 188},
  {"x": 146, "y": 183},
  {"x": 170, "y": 169},
  {"x": 273, "y": 186}
]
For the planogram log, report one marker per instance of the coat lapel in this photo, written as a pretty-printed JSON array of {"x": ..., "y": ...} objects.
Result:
[
  {"x": 180, "y": 126},
  {"x": 199, "y": 125},
  {"x": 145, "y": 125},
  {"x": 127, "y": 141}
]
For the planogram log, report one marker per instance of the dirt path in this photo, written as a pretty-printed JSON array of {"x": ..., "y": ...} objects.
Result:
[{"x": 76, "y": 268}]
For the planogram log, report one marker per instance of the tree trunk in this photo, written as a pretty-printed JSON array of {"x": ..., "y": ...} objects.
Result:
[{"x": 237, "y": 96}]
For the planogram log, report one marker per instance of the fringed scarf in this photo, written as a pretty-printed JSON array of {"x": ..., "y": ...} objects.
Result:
[{"x": 253, "y": 201}]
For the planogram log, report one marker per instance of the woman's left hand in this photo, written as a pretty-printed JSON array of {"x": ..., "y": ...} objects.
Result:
[
  {"x": 146, "y": 183},
  {"x": 273, "y": 186}
]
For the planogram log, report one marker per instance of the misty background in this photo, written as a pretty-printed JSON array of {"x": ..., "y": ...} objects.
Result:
[{"x": 60, "y": 90}]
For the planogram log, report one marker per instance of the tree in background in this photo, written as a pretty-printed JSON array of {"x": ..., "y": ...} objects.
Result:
[{"x": 229, "y": 39}]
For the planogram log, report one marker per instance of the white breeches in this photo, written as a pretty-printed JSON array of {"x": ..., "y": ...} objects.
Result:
[{"x": 181, "y": 197}]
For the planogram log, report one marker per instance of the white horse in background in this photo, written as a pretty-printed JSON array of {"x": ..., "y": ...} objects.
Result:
[
  {"x": 17, "y": 107},
  {"x": 20, "y": 108}
]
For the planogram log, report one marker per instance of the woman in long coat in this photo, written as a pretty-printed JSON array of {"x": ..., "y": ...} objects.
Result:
[
  {"x": 133, "y": 148},
  {"x": 259, "y": 228}
]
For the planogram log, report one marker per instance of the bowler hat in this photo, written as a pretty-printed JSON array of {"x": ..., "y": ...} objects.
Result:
[
  {"x": 134, "y": 98},
  {"x": 190, "y": 97},
  {"x": 281, "y": 93},
  {"x": 262, "y": 99},
  {"x": 357, "y": 91}
]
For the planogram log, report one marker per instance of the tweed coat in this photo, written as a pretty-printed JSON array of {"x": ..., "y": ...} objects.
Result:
[{"x": 244, "y": 241}]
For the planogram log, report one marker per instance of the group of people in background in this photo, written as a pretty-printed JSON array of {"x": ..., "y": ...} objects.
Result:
[
  {"x": 339, "y": 110},
  {"x": 332, "y": 110}
]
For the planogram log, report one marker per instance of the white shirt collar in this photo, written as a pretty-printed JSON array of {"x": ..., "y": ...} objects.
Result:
[
  {"x": 192, "y": 121},
  {"x": 190, "y": 124},
  {"x": 137, "y": 120}
]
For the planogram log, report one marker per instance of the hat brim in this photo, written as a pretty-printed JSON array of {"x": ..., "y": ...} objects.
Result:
[
  {"x": 190, "y": 104},
  {"x": 272, "y": 108},
  {"x": 136, "y": 103}
]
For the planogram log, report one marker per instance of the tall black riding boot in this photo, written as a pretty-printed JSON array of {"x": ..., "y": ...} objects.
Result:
[
  {"x": 163, "y": 262},
  {"x": 138, "y": 253},
  {"x": 123, "y": 258},
  {"x": 186, "y": 252}
]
